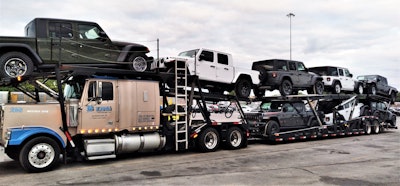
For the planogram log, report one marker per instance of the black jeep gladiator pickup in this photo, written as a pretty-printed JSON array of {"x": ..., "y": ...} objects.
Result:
[{"x": 50, "y": 41}]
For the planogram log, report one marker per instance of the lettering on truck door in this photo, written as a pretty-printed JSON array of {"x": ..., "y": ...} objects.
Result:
[{"x": 98, "y": 113}]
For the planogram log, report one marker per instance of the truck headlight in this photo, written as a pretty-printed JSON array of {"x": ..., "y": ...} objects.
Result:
[{"x": 8, "y": 135}]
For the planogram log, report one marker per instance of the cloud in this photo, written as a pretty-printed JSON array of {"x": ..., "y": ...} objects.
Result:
[{"x": 362, "y": 35}]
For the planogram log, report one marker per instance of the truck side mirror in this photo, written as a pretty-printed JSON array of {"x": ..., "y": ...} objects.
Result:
[
  {"x": 201, "y": 57},
  {"x": 103, "y": 36},
  {"x": 99, "y": 92},
  {"x": 351, "y": 75}
]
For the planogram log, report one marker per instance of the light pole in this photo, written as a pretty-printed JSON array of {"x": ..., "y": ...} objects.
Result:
[{"x": 290, "y": 15}]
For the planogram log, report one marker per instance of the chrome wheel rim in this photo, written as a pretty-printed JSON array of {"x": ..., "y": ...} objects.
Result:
[
  {"x": 41, "y": 155},
  {"x": 139, "y": 64},
  {"x": 15, "y": 67}
]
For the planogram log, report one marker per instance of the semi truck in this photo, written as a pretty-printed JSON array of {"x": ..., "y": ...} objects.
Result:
[{"x": 102, "y": 113}]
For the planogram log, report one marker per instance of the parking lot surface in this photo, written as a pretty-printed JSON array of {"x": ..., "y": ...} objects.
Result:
[{"x": 353, "y": 160}]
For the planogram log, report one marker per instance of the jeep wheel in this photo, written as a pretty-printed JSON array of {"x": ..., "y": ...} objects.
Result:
[
  {"x": 372, "y": 89},
  {"x": 138, "y": 62},
  {"x": 393, "y": 97},
  {"x": 243, "y": 88},
  {"x": 318, "y": 88},
  {"x": 359, "y": 89},
  {"x": 337, "y": 88},
  {"x": 286, "y": 87},
  {"x": 272, "y": 128},
  {"x": 14, "y": 64}
]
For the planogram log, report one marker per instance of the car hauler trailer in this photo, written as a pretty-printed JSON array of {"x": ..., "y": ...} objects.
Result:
[
  {"x": 298, "y": 118},
  {"x": 102, "y": 113}
]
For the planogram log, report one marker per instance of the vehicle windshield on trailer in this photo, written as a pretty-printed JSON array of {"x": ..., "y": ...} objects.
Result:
[{"x": 189, "y": 53}]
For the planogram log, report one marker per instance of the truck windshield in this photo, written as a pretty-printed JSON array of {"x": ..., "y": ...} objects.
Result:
[
  {"x": 190, "y": 53},
  {"x": 366, "y": 77}
]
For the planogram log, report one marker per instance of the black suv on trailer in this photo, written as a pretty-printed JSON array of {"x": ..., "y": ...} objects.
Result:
[
  {"x": 281, "y": 115},
  {"x": 378, "y": 85},
  {"x": 287, "y": 76}
]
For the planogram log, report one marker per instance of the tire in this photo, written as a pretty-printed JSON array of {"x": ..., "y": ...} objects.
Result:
[
  {"x": 272, "y": 128},
  {"x": 208, "y": 140},
  {"x": 263, "y": 73},
  {"x": 372, "y": 89},
  {"x": 138, "y": 62},
  {"x": 314, "y": 123},
  {"x": 234, "y": 138},
  {"x": 243, "y": 88},
  {"x": 393, "y": 97},
  {"x": 14, "y": 64},
  {"x": 376, "y": 127},
  {"x": 367, "y": 127},
  {"x": 259, "y": 93},
  {"x": 359, "y": 89},
  {"x": 393, "y": 121},
  {"x": 40, "y": 154},
  {"x": 318, "y": 88},
  {"x": 337, "y": 88},
  {"x": 286, "y": 88},
  {"x": 228, "y": 113}
]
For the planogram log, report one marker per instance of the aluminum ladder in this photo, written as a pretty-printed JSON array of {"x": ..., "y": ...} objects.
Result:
[{"x": 181, "y": 98}]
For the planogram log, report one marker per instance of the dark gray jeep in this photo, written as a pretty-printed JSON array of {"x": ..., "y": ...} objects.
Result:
[{"x": 287, "y": 76}]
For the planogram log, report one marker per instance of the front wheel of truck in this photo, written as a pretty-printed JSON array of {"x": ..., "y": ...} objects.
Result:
[
  {"x": 40, "y": 154},
  {"x": 14, "y": 64}
]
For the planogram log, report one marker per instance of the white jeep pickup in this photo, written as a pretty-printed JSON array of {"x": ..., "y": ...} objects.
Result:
[{"x": 215, "y": 71}]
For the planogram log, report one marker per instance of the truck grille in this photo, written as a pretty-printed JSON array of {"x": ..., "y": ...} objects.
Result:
[{"x": 253, "y": 116}]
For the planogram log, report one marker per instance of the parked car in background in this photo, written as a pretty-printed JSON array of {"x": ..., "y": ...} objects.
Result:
[
  {"x": 287, "y": 76},
  {"x": 338, "y": 79},
  {"x": 378, "y": 85}
]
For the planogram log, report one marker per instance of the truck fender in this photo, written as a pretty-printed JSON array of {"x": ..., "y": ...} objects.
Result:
[
  {"x": 254, "y": 77},
  {"x": 20, "y": 47},
  {"x": 19, "y": 135},
  {"x": 127, "y": 51}
]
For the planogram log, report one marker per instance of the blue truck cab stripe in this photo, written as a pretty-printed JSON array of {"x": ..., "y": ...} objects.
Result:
[{"x": 19, "y": 135}]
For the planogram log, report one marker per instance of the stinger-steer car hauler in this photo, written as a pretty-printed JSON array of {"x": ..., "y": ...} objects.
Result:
[{"x": 102, "y": 113}]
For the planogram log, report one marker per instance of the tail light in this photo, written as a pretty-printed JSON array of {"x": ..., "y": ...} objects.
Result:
[
  {"x": 274, "y": 75},
  {"x": 328, "y": 79}
]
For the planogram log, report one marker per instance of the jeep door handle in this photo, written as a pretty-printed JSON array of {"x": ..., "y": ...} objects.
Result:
[
  {"x": 226, "y": 68},
  {"x": 212, "y": 66}
]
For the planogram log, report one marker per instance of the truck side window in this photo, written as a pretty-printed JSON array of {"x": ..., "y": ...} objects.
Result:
[
  {"x": 88, "y": 32},
  {"x": 107, "y": 91},
  {"x": 223, "y": 59},
  {"x": 104, "y": 91},
  {"x": 341, "y": 72},
  {"x": 57, "y": 29},
  {"x": 300, "y": 67},
  {"x": 207, "y": 56},
  {"x": 292, "y": 65}
]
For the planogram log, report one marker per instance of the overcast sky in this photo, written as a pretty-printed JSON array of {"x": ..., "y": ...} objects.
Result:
[{"x": 362, "y": 35}]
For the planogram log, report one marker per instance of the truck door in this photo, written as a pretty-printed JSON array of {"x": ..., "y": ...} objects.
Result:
[
  {"x": 94, "y": 46},
  {"x": 98, "y": 107},
  {"x": 293, "y": 73},
  {"x": 303, "y": 75},
  {"x": 224, "y": 71},
  {"x": 206, "y": 67},
  {"x": 59, "y": 38},
  {"x": 348, "y": 82}
]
